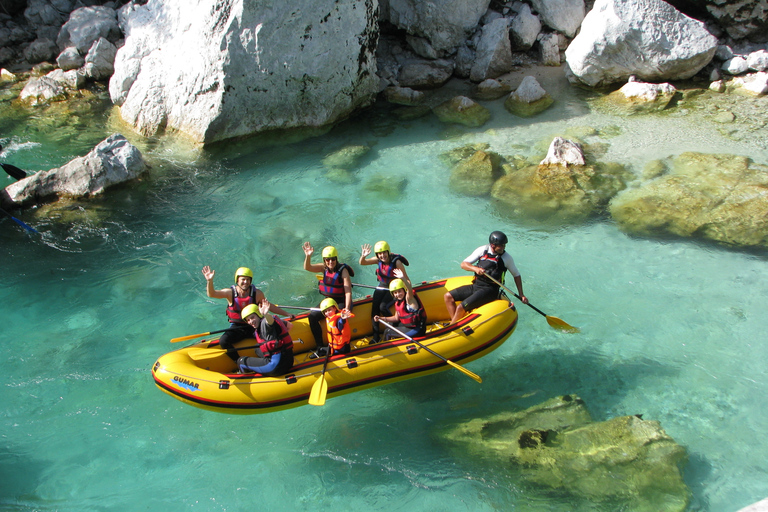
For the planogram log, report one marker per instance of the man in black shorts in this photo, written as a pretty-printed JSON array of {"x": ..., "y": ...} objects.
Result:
[{"x": 493, "y": 260}]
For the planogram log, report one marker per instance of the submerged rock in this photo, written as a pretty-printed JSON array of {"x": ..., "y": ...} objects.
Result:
[
  {"x": 625, "y": 461},
  {"x": 462, "y": 110},
  {"x": 346, "y": 158},
  {"x": 716, "y": 197},
  {"x": 476, "y": 175},
  {"x": 636, "y": 97}
]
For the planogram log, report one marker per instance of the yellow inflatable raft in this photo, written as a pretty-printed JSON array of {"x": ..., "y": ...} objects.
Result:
[{"x": 203, "y": 375}]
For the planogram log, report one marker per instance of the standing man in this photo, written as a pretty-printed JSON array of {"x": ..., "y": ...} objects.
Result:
[{"x": 493, "y": 260}]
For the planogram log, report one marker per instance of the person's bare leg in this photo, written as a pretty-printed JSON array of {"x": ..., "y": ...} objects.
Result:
[
  {"x": 450, "y": 304},
  {"x": 458, "y": 314}
]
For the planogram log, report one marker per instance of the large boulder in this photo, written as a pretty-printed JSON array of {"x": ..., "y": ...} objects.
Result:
[
  {"x": 626, "y": 461},
  {"x": 216, "y": 70},
  {"x": 646, "y": 38},
  {"x": 493, "y": 56},
  {"x": 716, "y": 197},
  {"x": 444, "y": 23},
  {"x": 475, "y": 175},
  {"x": 562, "y": 15},
  {"x": 564, "y": 186},
  {"x": 86, "y": 26},
  {"x": 112, "y": 161}
]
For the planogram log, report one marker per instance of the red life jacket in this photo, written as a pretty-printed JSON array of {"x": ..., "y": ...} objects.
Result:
[
  {"x": 337, "y": 338},
  {"x": 494, "y": 267},
  {"x": 332, "y": 284},
  {"x": 411, "y": 319},
  {"x": 385, "y": 272},
  {"x": 238, "y": 303},
  {"x": 283, "y": 341}
]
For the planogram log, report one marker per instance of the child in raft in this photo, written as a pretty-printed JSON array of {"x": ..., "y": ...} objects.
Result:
[
  {"x": 339, "y": 330},
  {"x": 275, "y": 350}
]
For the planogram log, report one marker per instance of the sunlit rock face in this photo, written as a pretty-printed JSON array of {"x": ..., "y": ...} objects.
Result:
[
  {"x": 646, "y": 38},
  {"x": 625, "y": 463},
  {"x": 216, "y": 70},
  {"x": 112, "y": 161},
  {"x": 716, "y": 197}
]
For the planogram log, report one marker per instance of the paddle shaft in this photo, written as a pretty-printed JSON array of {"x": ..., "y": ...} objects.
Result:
[
  {"x": 20, "y": 223},
  {"x": 299, "y": 307},
  {"x": 193, "y": 336},
  {"x": 455, "y": 365},
  {"x": 319, "y": 278},
  {"x": 516, "y": 295}
]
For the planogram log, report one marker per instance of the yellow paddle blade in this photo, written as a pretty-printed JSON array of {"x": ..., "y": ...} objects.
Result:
[
  {"x": 464, "y": 370},
  {"x": 561, "y": 324},
  {"x": 190, "y": 337},
  {"x": 319, "y": 391}
]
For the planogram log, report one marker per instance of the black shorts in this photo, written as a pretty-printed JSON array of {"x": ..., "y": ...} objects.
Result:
[{"x": 472, "y": 296}]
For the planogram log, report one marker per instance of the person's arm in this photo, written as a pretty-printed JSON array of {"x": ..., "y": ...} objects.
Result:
[
  {"x": 308, "y": 265},
  {"x": 364, "y": 260},
  {"x": 469, "y": 262},
  {"x": 347, "y": 289},
  {"x": 210, "y": 290},
  {"x": 519, "y": 284},
  {"x": 399, "y": 266},
  {"x": 512, "y": 269}
]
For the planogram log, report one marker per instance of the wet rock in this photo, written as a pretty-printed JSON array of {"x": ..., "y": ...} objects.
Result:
[
  {"x": 723, "y": 198},
  {"x": 560, "y": 187},
  {"x": 42, "y": 90},
  {"x": 626, "y": 461},
  {"x": 620, "y": 38},
  {"x": 755, "y": 84},
  {"x": 7, "y": 76},
  {"x": 71, "y": 79},
  {"x": 476, "y": 175},
  {"x": 491, "y": 89},
  {"x": 112, "y": 161},
  {"x": 462, "y": 110},
  {"x": 637, "y": 97},
  {"x": 403, "y": 96},
  {"x": 758, "y": 61},
  {"x": 456, "y": 155},
  {"x": 529, "y": 99}
]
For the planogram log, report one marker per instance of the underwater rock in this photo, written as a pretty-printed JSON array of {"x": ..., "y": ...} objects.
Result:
[
  {"x": 723, "y": 198},
  {"x": 456, "y": 155},
  {"x": 346, "y": 158},
  {"x": 475, "y": 175},
  {"x": 626, "y": 461},
  {"x": 528, "y": 99},
  {"x": 462, "y": 110},
  {"x": 403, "y": 96},
  {"x": 386, "y": 185}
]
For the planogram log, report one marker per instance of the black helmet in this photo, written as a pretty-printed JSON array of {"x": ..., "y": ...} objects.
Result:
[{"x": 497, "y": 238}]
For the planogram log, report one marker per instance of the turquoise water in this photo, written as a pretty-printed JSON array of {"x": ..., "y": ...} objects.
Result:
[{"x": 671, "y": 329}]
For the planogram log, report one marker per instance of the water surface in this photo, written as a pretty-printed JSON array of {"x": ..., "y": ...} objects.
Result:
[{"x": 671, "y": 329}]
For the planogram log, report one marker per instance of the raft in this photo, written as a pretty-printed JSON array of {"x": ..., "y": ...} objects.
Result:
[{"x": 202, "y": 375}]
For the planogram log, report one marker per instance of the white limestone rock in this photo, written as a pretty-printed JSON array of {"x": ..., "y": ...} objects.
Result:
[
  {"x": 647, "y": 38},
  {"x": 758, "y": 61},
  {"x": 87, "y": 25},
  {"x": 216, "y": 70},
  {"x": 112, "y": 161},
  {"x": 735, "y": 65},
  {"x": 493, "y": 56},
  {"x": 524, "y": 29},
  {"x": 42, "y": 90},
  {"x": 562, "y": 15},
  {"x": 445, "y": 23}
]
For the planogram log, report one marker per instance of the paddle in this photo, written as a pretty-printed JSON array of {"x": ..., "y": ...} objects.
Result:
[
  {"x": 21, "y": 223},
  {"x": 299, "y": 307},
  {"x": 551, "y": 320},
  {"x": 320, "y": 387},
  {"x": 458, "y": 367},
  {"x": 14, "y": 172},
  {"x": 319, "y": 278},
  {"x": 202, "y": 354},
  {"x": 193, "y": 336}
]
